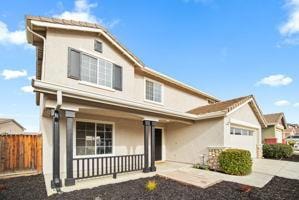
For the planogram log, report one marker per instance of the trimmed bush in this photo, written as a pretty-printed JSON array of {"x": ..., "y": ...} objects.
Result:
[
  {"x": 235, "y": 162},
  {"x": 277, "y": 151}
]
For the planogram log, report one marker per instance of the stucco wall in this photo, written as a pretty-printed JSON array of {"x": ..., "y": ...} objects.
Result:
[
  {"x": 133, "y": 84},
  {"x": 268, "y": 132},
  {"x": 10, "y": 128},
  {"x": 186, "y": 143}
]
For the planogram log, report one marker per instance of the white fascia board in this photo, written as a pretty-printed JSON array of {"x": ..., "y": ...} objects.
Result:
[
  {"x": 51, "y": 88},
  {"x": 211, "y": 115},
  {"x": 238, "y": 107},
  {"x": 168, "y": 78},
  {"x": 85, "y": 29}
]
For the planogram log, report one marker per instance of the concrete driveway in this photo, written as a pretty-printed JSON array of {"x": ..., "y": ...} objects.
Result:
[{"x": 263, "y": 171}]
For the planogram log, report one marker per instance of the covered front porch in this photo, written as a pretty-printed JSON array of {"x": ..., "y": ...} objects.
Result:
[{"x": 98, "y": 141}]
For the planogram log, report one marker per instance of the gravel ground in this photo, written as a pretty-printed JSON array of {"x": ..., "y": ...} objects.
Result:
[{"x": 33, "y": 188}]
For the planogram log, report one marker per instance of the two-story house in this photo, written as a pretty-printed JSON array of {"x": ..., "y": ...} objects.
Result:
[{"x": 102, "y": 111}]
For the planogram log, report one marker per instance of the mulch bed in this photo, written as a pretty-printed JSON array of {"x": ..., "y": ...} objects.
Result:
[
  {"x": 33, "y": 188},
  {"x": 293, "y": 158}
]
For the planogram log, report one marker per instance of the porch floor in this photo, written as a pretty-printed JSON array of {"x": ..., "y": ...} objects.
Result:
[{"x": 162, "y": 169}]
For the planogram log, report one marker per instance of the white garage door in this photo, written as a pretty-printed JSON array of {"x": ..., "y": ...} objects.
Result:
[{"x": 243, "y": 139}]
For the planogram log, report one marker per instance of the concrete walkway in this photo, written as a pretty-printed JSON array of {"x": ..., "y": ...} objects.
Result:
[{"x": 263, "y": 171}]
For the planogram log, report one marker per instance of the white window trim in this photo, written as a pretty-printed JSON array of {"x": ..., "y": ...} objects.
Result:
[
  {"x": 97, "y": 56},
  {"x": 254, "y": 131},
  {"x": 92, "y": 121},
  {"x": 162, "y": 91},
  {"x": 96, "y": 86}
]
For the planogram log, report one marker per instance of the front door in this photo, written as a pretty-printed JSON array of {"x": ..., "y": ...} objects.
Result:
[{"x": 158, "y": 144}]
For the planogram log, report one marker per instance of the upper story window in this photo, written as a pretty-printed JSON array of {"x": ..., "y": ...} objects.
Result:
[
  {"x": 94, "y": 70},
  {"x": 240, "y": 131},
  {"x": 153, "y": 91}
]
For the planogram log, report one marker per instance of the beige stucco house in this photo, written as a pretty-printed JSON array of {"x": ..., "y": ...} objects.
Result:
[
  {"x": 102, "y": 111},
  {"x": 274, "y": 132},
  {"x": 10, "y": 126}
]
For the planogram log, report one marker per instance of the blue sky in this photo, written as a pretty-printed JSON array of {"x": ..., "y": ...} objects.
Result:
[{"x": 228, "y": 48}]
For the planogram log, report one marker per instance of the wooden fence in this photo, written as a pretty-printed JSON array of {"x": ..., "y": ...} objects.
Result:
[{"x": 20, "y": 152}]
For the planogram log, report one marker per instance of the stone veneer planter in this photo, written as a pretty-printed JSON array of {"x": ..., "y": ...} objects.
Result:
[{"x": 214, "y": 153}]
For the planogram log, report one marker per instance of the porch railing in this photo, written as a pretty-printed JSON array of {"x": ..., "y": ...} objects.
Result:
[{"x": 110, "y": 165}]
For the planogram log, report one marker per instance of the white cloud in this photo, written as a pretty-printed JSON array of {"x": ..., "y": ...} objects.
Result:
[
  {"x": 30, "y": 78},
  {"x": 296, "y": 105},
  {"x": 27, "y": 89},
  {"x": 82, "y": 12},
  {"x": 282, "y": 103},
  {"x": 276, "y": 80},
  {"x": 17, "y": 37},
  {"x": 12, "y": 74},
  {"x": 291, "y": 26}
]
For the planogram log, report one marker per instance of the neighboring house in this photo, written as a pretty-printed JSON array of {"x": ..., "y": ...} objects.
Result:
[
  {"x": 289, "y": 131},
  {"x": 10, "y": 126},
  {"x": 98, "y": 102},
  {"x": 274, "y": 132}
]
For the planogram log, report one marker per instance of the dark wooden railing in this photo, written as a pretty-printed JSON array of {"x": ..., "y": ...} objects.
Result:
[{"x": 110, "y": 165}]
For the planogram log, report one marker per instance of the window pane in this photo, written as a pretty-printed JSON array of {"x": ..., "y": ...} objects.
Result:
[
  {"x": 104, "y": 135},
  {"x": 105, "y": 73},
  {"x": 108, "y": 127},
  {"x": 153, "y": 91},
  {"x": 232, "y": 131},
  {"x": 149, "y": 90},
  {"x": 85, "y": 139},
  {"x": 100, "y": 150},
  {"x": 89, "y": 69},
  {"x": 108, "y": 135},
  {"x": 108, "y": 150},
  {"x": 237, "y": 131},
  {"x": 108, "y": 142}
]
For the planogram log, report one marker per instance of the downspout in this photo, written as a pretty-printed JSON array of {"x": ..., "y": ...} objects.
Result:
[
  {"x": 44, "y": 50},
  {"x": 56, "y": 181}
]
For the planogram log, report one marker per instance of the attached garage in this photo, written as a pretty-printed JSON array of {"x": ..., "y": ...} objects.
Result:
[{"x": 235, "y": 123}]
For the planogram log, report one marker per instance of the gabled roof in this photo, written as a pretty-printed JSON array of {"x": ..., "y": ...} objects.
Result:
[
  {"x": 275, "y": 118},
  {"x": 48, "y": 22},
  {"x": 7, "y": 120},
  {"x": 289, "y": 130},
  {"x": 230, "y": 105}
]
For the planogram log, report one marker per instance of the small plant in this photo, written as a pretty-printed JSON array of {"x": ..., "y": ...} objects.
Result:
[
  {"x": 151, "y": 185},
  {"x": 201, "y": 166},
  {"x": 277, "y": 151},
  {"x": 235, "y": 162},
  {"x": 292, "y": 143}
]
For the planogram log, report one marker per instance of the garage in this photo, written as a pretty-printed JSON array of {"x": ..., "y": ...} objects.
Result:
[{"x": 244, "y": 138}]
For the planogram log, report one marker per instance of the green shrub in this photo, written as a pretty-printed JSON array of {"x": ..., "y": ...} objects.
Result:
[
  {"x": 235, "y": 162},
  {"x": 277, "y": 151}
]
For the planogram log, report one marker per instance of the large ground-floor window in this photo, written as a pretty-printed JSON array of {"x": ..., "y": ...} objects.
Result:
[{"x": 93, "y": 138}]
